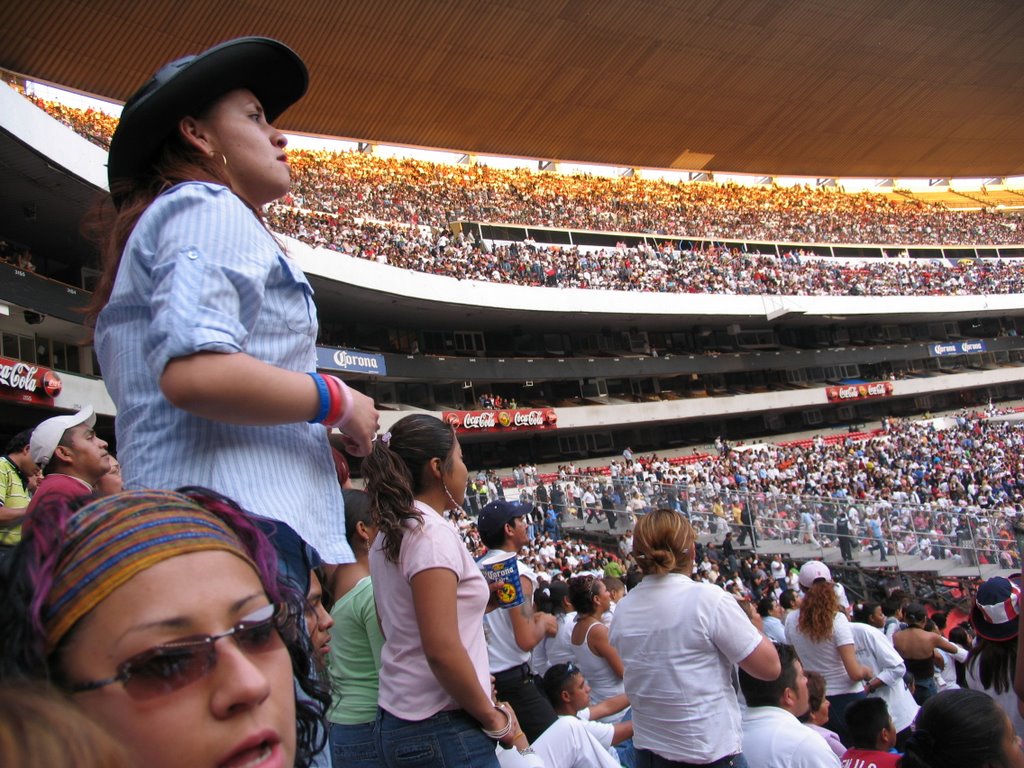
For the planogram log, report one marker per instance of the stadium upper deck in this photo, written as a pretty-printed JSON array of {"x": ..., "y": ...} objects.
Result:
[{"x": 719, "y": 358}]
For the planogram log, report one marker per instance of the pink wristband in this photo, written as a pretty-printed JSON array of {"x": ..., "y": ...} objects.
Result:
[{"x": 334, "y": 408}]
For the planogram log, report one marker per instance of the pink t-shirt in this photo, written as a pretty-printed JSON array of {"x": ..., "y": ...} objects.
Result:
[{"x": 408, "y": 688}]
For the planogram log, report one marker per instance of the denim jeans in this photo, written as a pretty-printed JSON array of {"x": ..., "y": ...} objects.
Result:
[
  {"x": 353, "y": 746},
  {"x": 647, "y": 759},
  {"x": 450, "y": 739}
]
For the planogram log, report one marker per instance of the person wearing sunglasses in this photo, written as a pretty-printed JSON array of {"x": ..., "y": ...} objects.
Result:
[{"x": 162, "y": 616}]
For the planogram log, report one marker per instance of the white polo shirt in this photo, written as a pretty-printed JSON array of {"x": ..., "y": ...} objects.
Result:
[{"x": 773, "y": 738}]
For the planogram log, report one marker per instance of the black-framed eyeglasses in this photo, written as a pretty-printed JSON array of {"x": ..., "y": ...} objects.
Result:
[{"x": 164, "y": 669}]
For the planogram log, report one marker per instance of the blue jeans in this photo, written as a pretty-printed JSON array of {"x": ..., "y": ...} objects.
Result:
[
  {"x": 353, "y": 746},
  {"x": 647, "y": 759},
  {"x": 450, "y": 739}
]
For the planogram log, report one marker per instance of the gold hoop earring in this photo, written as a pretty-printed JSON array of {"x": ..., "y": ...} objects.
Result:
[{"x": 214, "y": 153}]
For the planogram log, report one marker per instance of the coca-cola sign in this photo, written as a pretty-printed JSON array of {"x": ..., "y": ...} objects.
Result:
[
  {"x": 28, "y": 383},
  {"x": 501, "y": 420},
  {"x": 848, "y": 392}
]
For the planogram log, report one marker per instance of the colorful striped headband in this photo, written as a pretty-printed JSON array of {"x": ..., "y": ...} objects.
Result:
[{"x": 112, "y": 539}]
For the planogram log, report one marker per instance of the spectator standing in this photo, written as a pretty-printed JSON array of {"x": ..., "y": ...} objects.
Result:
[
  {"x": 435, "y": 687},
  {"x": 513, "y": 633},
  {"x": 205, "y": 329},
  {"x": 821, "y": 635},
  {"x": 918, "y": 648},
  {"x": 679, "y": 670}
]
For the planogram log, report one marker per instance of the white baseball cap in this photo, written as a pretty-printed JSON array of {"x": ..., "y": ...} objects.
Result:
[
  {"x": 48, "y": 434},
  {"x": 813, "y": 570}
]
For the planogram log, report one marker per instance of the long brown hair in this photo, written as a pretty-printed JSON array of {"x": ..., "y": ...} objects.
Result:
[
  {"x": 110, "y": 225},
  {"x": 818, "y": 611},
  {"x": 394, "y": 473}
]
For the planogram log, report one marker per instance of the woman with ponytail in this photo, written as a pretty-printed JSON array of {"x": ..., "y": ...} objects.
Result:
[
  {"x": 434, "y": 702},
  {"x": 679, "y": 668}
]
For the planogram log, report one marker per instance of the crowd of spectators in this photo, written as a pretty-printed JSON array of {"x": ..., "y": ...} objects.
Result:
[
  {"x": 937, "y": 489},
  {"x": 662, "y": 269},
  {"x": 364, "y": 186}
]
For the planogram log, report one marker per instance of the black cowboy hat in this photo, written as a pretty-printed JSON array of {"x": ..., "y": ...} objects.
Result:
[{"x": 268, "y": 68}]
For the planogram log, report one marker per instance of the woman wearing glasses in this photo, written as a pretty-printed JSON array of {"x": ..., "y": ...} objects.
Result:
[
  {"x": 679, "y": 668},
  {"x": 161, "y": 615}
]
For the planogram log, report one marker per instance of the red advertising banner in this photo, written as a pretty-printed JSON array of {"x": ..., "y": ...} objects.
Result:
[
  {"x": 28, "y": 383},
  {"x": 501, "y": 420},
  {"x": 848, "y": 392}
]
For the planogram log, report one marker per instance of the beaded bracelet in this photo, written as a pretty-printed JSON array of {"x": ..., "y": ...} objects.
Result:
[
  {"x": 501, "y": 732},
  {"x": 325, "y": 398}
]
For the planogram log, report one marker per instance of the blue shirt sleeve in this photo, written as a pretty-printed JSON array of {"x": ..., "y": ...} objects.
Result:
[{"x": 208, "y": 261}]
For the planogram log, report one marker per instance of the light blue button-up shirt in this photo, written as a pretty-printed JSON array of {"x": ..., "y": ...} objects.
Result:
[{"x": 200, "y": 273}]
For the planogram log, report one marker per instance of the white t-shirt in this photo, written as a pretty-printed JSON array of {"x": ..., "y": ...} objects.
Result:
[
  {"x": 678, "y": 669},
  {"x": 1007, "y": 699},
  {"x": 876, "y": 652},
  {"x": 773, "y": 738},
  {"x": 503, "y": 652},
  {"x": 823, "y": 657}
]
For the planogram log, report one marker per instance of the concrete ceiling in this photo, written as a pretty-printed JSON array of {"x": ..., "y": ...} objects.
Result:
[{"x": 924, "y": 88}]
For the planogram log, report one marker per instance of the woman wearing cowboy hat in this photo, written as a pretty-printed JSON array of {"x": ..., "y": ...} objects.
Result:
[{"x": 205, "y": 329}]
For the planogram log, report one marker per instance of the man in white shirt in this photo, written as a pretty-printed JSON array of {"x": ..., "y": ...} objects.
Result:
[
  {"x": 513, "y": 633},
  {"x": 773, "y": 737}
]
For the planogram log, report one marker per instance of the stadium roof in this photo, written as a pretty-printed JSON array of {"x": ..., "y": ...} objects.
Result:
[{"x": 916, "y": 88}]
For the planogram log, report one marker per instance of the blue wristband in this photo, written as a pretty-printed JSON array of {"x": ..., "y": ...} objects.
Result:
[{"x": 325, "y": 398}]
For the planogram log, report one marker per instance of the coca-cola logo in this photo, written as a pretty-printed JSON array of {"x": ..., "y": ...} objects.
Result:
[
  {"x": 19, "y": 376},
  {"x": 52, "y": 384},
  {"x": 536, "y": 418},
  {"x": 857, "y": 391}
]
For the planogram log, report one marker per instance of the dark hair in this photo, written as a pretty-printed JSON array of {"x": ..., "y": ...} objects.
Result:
[
  {"x": 956, "y": 728},
  {"x": 915, "y": 613},
  {"x": 31, "y": 568},
  {"x": 357, "y": 510},
  {"x": 552, "y": 597},
  {"x": 815, "y": 691},
  {"x": 892, "y": 604},
  {"x": 788, "y": 599},
  {"x": 765, "y": 605},
  {"x": 996, "y": 663},
  {"x": 865, "y": 719},
  {"x": 863, "y": 612},
  {"x": 768, "y": 693},
  {"x": 394, "y": 473},
  {"x": 110, "y": 227},
  {"x": 582, "y": 591},
  {"x": 960, "y": 636},
  {"x": 556, "y": 680},
  {"x": 19, "y": 442}
]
